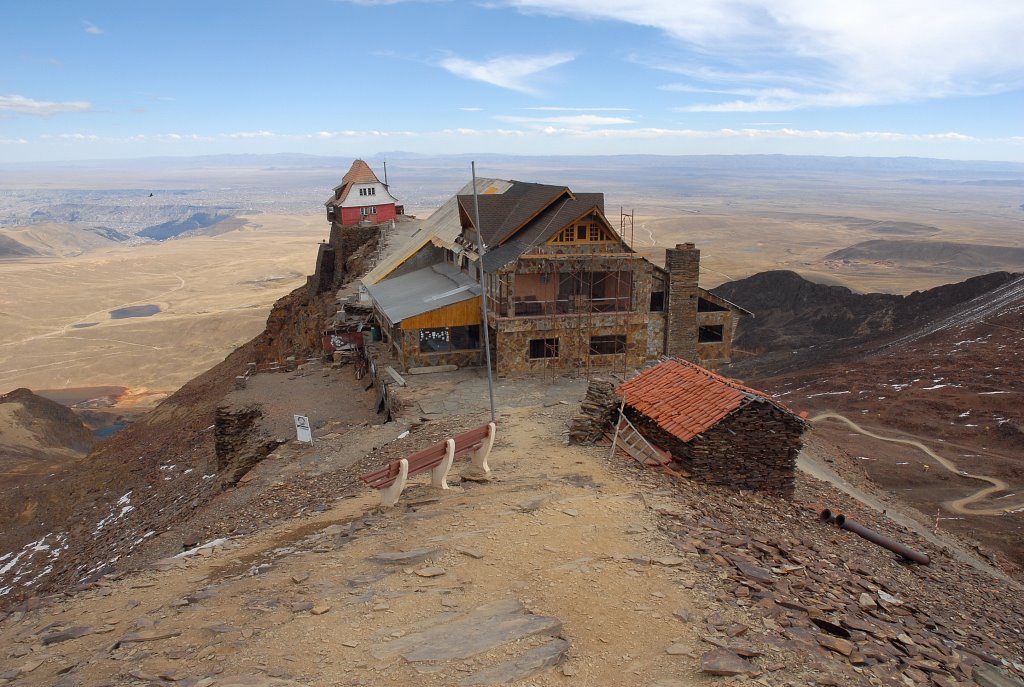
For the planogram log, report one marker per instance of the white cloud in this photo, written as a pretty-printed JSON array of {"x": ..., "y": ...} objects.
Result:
[
  {"x": 511, "y": 71},
  {"x": 12, "y": 141},
  {"x": 471, "y": 109},
  {"x": 552, "y": 108},
  {"x": 583, "y": 120},
  {"x": 41, "y": 108},
  {"x": 835, "y": 52},
  {"x": 251, "y": 134},
  {"x": 91, "y": 28}
]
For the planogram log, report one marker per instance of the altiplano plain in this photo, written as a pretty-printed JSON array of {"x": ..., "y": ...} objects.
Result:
[{"x": 213, "y": 293}]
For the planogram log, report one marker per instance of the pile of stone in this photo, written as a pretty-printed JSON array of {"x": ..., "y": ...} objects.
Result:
[
  {"x": 799, "y": 598},
  {"x": 598, "y": 412}
]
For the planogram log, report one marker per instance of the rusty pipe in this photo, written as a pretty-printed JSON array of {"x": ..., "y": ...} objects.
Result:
[
  {"x": 882, "y": 540},
  {"x": 827, "y": 516}
]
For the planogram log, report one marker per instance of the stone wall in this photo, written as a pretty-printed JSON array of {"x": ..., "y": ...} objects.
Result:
[
  {"x": 237, "y": 443},
  {"x": 346, "y": 241},
  {"x": 713, "y": 354},
  {"x": 755, "y": 448},
  {"x": 656, "y": 335},
  {"x": 410, "y": 355},
  {"x": 598, "y": 412},
  {"x": 573, "y": 333}
]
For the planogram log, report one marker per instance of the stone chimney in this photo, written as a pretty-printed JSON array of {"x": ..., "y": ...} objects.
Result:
[{"x": 683, "y": 266}]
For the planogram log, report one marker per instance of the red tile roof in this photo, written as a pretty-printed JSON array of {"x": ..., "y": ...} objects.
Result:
[
  {"x": 358, "y": 173},
  {"x": 685, "y": 399}
]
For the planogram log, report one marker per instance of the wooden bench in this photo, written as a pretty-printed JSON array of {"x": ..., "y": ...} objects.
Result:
[{"x": 438, "y": 459}]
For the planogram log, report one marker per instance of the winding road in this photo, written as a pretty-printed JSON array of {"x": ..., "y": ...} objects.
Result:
[{"x": 959, "y": 505}]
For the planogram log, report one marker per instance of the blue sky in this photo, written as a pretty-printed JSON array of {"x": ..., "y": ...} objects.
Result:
[{"x": 112, "y": 79}]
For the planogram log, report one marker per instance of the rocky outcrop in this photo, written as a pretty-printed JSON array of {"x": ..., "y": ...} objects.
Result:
[
  {"x": 791, "y": 312},
  {"x": 33, "y": 425}
]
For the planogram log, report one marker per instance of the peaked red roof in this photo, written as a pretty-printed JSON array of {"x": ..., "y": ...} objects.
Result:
[
  {"x": 685, "y": 399},
  {"x": 360, "y": 173}
]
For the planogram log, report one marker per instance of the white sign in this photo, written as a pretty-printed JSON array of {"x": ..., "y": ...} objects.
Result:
[{"x": 302, "y": 429}]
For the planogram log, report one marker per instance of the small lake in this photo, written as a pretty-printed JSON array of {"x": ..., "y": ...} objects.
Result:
[
  {"x": 135, "y": 311},
  {"x": 109, "y": 430}
]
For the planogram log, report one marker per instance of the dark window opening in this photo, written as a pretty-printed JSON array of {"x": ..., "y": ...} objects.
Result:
[
  {"x": 704, "y": 305},
  {"x": 608, "y": 345},
  {"x": 710, "y": 333},
  {"x": 657, "y": 301},
  {"x": 543, "y": 348},
  {"x": 581, "y": 232},
  {"x": 465, "y": 338}
]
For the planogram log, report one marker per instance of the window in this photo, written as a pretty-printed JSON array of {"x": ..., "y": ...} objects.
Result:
[
  {"x": 704, "y": 305},
  {"x": 613, "y": 344},
  {"x": 543, "y": 348},
  {"x": 710, "y": 333},
  {"x": 372, "y": 191},
  {"x": 595, "y": 232},
  {"x": 370, "y": 210},
  {"x": 657, "y": 301},
  {"x": 434, "y": 340},
  {"x": 465, "y": 338},
  {"x": 446, "y": 339},
  {"x": 581, "y": 232}
]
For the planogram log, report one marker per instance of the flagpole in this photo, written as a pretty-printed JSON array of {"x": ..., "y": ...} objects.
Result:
[{"x": 483, "y": 290}]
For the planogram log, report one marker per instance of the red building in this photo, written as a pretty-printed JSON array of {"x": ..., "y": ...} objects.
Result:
[{"x": 360, "y": 197}]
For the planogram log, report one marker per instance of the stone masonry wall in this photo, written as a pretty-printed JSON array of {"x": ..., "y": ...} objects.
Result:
[{"x": 755, "y": 448}]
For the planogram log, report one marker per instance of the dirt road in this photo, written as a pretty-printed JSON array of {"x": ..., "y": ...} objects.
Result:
[{"x": 959, "y": 505}]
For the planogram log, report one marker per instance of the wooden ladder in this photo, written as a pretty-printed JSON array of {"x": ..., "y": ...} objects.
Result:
[{"x": 629, "y": 439}]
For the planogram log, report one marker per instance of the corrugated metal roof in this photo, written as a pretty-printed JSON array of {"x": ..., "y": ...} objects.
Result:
[
  {"x": 442, "y": 228},
  {"x": 421, "y": 291}
]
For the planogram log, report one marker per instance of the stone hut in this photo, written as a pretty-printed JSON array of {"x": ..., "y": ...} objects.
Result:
[{"x": 715, "y": 428}]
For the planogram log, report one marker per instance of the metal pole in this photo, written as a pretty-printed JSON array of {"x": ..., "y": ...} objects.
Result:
[{"x": 483, "y": 290}]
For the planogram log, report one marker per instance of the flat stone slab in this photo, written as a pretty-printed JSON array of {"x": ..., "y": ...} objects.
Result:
[
  {"x": 533, "y": 661},
  {"x": 255, "y": 681},
  {"x": 990, "y": 676},
  {"x": 410, "y": 557},
  {"x": 480, "y": 630},
  {"x": 724, "y": 662},
  {"x": 65, "y": 635}
]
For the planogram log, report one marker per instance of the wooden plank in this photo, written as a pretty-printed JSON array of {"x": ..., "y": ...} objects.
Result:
[
  {"x": 394, "y": 375},
  {"x": 455, "y": 315}
]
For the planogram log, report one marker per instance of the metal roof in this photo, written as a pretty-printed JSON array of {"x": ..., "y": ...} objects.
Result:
[
  {"x": 421, "y": 291},
  {"x": 441, "y": 228}
]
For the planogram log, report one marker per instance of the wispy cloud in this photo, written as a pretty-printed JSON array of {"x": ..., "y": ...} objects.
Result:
[
  {"x": 471, "y": 109},
  {"x": 13, "y": 142},
  {"x": 583, "y": 120},
  {"x": 513, "y": 72},
  {"x": 830, "y": 53},
  {"x": 40, "y": 108},
  {"x": 553, "y": 108},
  {"x": 91, "y": 28}
]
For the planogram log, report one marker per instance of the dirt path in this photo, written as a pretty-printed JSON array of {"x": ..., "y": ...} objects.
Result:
[{"x": 959, "y": 505}]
